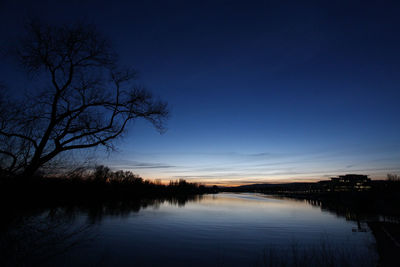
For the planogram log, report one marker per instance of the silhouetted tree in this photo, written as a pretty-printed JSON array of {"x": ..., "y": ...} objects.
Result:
[
  {"x": 393, "y": 177},
  {"x": 101, "y": 173},
  {"x": 85, "y": 99}
]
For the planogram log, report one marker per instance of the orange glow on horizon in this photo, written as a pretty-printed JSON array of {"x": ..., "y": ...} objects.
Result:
[{"x": 226, "y": 182}]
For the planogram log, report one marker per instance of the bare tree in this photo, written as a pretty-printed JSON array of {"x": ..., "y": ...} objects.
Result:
[
  {"x": 85, "y": 100},
  {"x": 393, "y": 177}
]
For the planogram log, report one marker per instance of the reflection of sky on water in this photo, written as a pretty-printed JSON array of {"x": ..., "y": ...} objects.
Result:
[{"x": 226, "y": 228}]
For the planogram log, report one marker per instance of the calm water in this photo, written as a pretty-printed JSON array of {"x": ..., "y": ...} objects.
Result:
[{"x": 212, "y": 230}]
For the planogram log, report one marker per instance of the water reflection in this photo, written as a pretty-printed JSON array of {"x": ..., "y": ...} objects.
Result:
[
  {"x": 354, "y": 212},
  {"x": 36, "y": 237},
  {"x": 96, "y": 211},
  {"x": 211, "y": 230},
  {"x": 380, "y": 220}
]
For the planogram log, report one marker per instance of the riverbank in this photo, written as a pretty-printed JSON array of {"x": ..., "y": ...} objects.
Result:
[
  {"x": 378, "y": 197},
  {"x": 367, "y": 205},
  {"x": 122, "y": 190}
]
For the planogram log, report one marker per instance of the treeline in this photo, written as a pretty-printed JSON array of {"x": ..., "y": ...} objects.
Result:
[{"x": 99, "y": 184}]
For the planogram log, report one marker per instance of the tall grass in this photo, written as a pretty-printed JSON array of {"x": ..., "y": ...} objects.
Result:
[{"x": 321, "y": 254}]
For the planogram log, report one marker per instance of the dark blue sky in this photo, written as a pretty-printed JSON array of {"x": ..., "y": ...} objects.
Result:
[{"x": 259, "y": 91}]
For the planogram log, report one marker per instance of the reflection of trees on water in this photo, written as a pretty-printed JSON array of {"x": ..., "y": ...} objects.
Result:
[
  {"x": 350, "y": 210},
  {"x": 96, "y": 211},
  {"x": 36, "y": 237},
  {"x": 373, "y": 213},
  {"x": 354, "y": 212}
]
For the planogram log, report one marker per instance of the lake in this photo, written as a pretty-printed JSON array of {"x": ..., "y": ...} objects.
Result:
[{"x": 224, "y": 229}]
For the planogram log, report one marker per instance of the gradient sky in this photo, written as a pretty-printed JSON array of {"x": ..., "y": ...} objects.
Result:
[{"x": 259, "y": 91}]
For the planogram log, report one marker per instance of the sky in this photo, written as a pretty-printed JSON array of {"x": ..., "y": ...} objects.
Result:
[{"x": 259, "y": 91}]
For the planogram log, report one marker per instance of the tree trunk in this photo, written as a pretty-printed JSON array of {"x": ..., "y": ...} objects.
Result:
[{"x": 30, "y": 170}]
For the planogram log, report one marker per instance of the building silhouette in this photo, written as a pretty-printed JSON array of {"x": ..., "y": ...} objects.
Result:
[{"x": 348, "y": 182}]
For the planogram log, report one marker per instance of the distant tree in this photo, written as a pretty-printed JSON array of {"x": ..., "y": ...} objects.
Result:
[
  {"x": 85, "y": 99},
  {"x": 101, "y": 173},
  {"x": 393, "y": 177}
]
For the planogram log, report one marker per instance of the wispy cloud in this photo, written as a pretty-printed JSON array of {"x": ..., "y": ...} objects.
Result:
[
  {"x": 236, "y": 167},
  {"x": 131, "y": 164}
]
